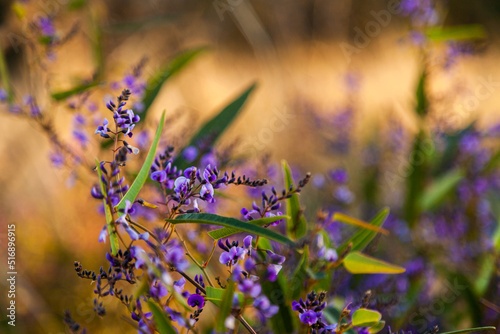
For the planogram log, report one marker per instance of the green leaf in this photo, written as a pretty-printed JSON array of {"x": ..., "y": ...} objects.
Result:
[
  {"x": 422, "y": 101},
  {"x": 440, "y": 188},
  {"x": 296, "y": 285},
  {"x": 363, "y": 237},
  {"x": 484, "y": 274},
  {"x": 358, "y": 263},
  {"x": 213, "y": 129},
  {"x": 113, "y": 238},
  {"x": 144, "y": 172},
  {"x": 75, "y": 90},
  {"x": 155, "y": 83},
  {"x": 296, "y": 225},
  {"x": 225, "y": 307},
  {"x": 472, "y": 330},
  {"x": 283, "y": 321},
  {"x": 4, "y": 75},
  {"x": 462, "y": 32},
  {"x": 415, "y": 184},
  {"x": 160, "y": 318},
  {"x": 377, "y": 327},
  {"x": 228, "y": 231},
  {"x": 340, "y": 217},
  {"x": 212, "y": 219},
  {"x": 365, "y": 318}
]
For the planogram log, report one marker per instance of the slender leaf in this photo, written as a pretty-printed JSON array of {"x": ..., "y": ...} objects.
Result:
[
  {"x": 415, "y": 184},
  {"x": 144, "y": 172},
  {"x": 212, "y": 219},
  {"x": 283, "y": 321},
  {"x": 353, "y": 221},
  {"x": 160, "y": 318},
  {"x": 440, "y": 188},
  {"x": 113, "y": 238},
  {"x": 4, "y": 75},
  {"x": 75, "y": 90},
  {"x": 213, "y": 129},
  {"x": 365, "y": 318},
  {"x": 472, "y": 330},
  {"x": 358, "y": 263},
  {"x": 228, "y": 231},
  {"x": 154, "y": 84},
  {"x": 296, "y": 285},
  {"x": 225, "y": 307},
  {"x": 462, "y": 32},
  {"x": 422, "y": 101},
  {"x": 363, "y": 237},
  {"x": 297, "y": 225}
]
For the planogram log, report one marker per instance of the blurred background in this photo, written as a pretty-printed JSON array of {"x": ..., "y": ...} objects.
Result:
[{"x": 336, "y": 83}]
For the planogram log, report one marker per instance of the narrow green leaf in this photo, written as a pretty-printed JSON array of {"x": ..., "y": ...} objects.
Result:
[
  {"x": 358, "y": 263},
  {"x": 4, "y": 75},
  {"x": 484, "y": 274},
  {"x": 225, "y": 307},
  {"x": 160, "y": 318},
  {"x": 296, "y": 285},
  {"x": 472, "y": 330},
  {"x": 144, "y": 172},
  {"x": 212, "y": 219},
  {"x": 422, "y": 101},
  {"x": 363, "y": 237},
  {"x": 440, "y": 188},
  {"x": 338, "y": 216},
  {"x": 462, "y": 32},
  {"x": 173, "y": 67},
  {"x": 113, "y": 238},
  {"x": 75, "y": 90},
  {"x": 365, "y": 318},
  {"x": 415, "y": 183},
  {"x": 228, "y": 231},
  {"x": 283, "y": 321},
  {"x": 297, "y": 225},
  {"x": 213, "y": 129}
]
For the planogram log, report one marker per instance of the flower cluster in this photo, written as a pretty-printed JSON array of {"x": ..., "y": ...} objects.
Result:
[
  {"x": 250, "y": 266},
  {"x": 125, "y": 119},
  {"x": 311, "y": 312}
]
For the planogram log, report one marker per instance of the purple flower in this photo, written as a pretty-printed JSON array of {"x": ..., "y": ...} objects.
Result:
[
  {"x": 159, "y": 176},
  {"x": 308, "y": 318},
  {"x": 3, "y": 95},
  {"x": 103, "y": 129},
  {"x": 46, "y": 26},
  {"x": 339, "y": 175},
  {"x": 181, "y": 185},
  {"x": 207, "y": 193},
  {"x": 249, "y": 287},
  {"x": 196, "y": 300},
  {"x": 272, "y": 272},
  {"x": 190, "y": 153},
  {"x": 232, "y": 256},
  {"x": 176, "y": 316},
  {"x": 81, "y": 137},
  {"x": 103, "y": 234},
  {"x": 158, "y": 290},
  {"x": 175, "y": 257},
  {"x": 344, "y": 195},
  {"x": 57, "y": 159},
  {"x": 264, "y": 306},
  {"x": 247, "y": 242}
]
